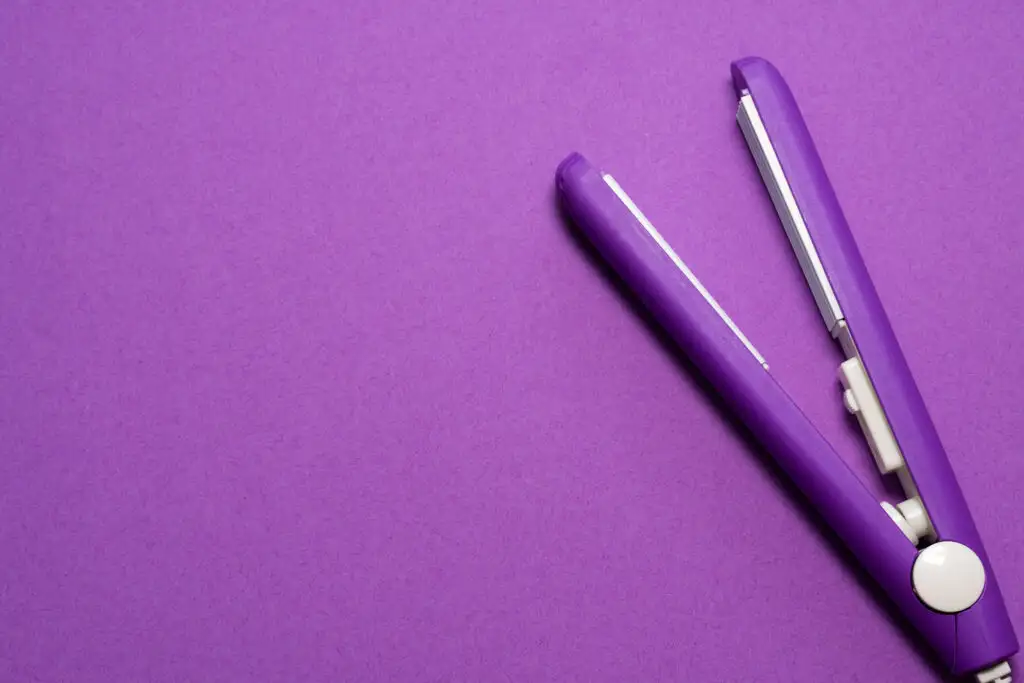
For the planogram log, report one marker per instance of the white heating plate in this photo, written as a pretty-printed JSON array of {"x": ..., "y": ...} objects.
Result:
[
  {"x": 656, "y": 236},
  {"x": 786, "y": 206}
]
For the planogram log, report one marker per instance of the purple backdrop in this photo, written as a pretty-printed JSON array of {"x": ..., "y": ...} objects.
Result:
[{"x": 303, "y": 378}]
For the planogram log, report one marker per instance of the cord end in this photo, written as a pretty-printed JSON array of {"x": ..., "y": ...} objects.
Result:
[{"x": 1000, "y": 673}]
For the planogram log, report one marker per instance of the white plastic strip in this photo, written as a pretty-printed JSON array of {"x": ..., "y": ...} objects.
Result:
[
  {"x": 785, "y": 204},
  {"x": 656, "y": 236}
]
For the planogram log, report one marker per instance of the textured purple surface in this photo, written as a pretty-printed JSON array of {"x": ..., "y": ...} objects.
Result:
[{"x": 303, "y": 378}]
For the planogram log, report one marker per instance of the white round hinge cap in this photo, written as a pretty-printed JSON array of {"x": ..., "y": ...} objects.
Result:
[{"x": 948, "y": 577}]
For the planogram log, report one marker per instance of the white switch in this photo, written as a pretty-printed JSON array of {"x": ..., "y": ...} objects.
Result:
[{"x": 860, "y": 399}]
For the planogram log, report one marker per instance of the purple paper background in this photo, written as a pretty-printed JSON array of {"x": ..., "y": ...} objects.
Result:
[{"x": 303, "y": 378}]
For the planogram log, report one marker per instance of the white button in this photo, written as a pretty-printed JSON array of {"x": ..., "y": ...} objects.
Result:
[{"x": 948, "y": 577}]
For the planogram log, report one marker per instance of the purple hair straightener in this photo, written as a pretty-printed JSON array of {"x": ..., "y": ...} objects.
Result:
[{"x": 925, "y": 552}]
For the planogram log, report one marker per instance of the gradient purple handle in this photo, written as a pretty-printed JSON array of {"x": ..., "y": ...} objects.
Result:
[
  {"x": 751, "y": 392},
  {"x": 984, "y": 632}
]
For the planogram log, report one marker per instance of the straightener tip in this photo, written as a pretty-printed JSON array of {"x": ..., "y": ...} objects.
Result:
[
  {"x": 572, "y": 162},
  {"x": 750, "y": 67}
]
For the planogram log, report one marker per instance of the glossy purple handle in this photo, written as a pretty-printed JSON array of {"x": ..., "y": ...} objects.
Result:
[
  {"x": 984, "y": 632},
  {"x": 751, "y": 392}
]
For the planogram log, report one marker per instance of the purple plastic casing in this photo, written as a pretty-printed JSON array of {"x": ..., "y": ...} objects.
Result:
[
  {"x": 984, "y": 632},
  {"x": 972, "y": 640}
]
